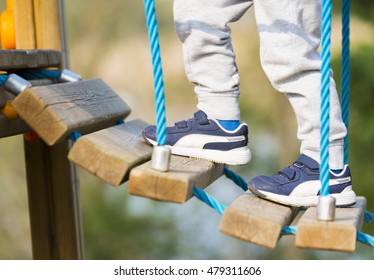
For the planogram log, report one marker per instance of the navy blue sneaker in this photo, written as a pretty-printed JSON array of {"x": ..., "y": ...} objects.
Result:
[
  {"x": 299, "y": 185},
  {"x": 206, "y": 139}
]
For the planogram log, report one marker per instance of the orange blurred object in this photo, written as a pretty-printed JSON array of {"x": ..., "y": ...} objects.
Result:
[
  {"x": 7, "y": 31},
  {"x": 8, "y": 111}
]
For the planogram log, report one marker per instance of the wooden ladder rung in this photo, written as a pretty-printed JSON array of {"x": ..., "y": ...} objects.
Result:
[
  {"x": 339, "y": 235},
  {"x": 29, "y": 59},
  {"x": 176, "y": 184},
  {"x": 111, "y": 153},
  {"x": 54, "y": 111},
  {"x": 256, "y": 220}
]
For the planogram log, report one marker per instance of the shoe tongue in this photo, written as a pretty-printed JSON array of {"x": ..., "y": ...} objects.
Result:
[
  {"x": 201, "y": 117},
  {"x": 307, "y": 161}
]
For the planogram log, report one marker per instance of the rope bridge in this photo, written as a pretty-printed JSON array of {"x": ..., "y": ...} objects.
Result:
[{"x": 325, "y": 106}]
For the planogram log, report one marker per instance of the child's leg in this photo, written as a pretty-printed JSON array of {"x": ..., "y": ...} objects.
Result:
[
  {"x": 289, "y": 38},
  {"x": 209, "y": 57}
]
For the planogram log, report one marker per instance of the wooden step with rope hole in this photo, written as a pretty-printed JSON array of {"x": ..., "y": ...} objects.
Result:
[
  {"x": 111, "y": 153},
  {"x": 29, "y": 59},
  {"x": 54, "y": 111},
  {"x": 176, "y": 184},
  {"x": 337, "y": 235},
  {"x": 256, "y": 220}
]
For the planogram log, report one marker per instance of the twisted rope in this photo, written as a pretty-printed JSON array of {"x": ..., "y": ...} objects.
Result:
[
  {"x": 34, "y": 74},
  {"x": 152, "y": 27},
  {"x": 325, "y": 94},
  {"x": 209, "y": 200},
  {"x": 345, "y": 74},
  {"x": 365, "y": 238},
  {"x": 239, "y": 181},
  {"x": 40, "y": 74}
]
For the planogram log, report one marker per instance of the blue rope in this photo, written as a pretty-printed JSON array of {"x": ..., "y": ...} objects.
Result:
[
  {"x": 40, "y": 74},
  {"x": 75, "y": 135},
  {"x": 34, "y": 74},
  {"x": 365, "y": 238},
  {"x": 369, "y": 217},
  {"x": 345, "y": 74},
  {"x": 289, "y": 230},
  {"x": 209, "y": 200},
  {"x": 325, "y": 94},
  {"x": 152, "y": 26},
  {"x": 235, "y": 178},
  {"x": 3, "y": 79},
  {"x": 121, "y": 121}
]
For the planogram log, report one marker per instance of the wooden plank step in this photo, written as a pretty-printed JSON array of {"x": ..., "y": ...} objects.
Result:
[
  {"x": 111, "y": 153},
  {"x": 256, "y": 220},
  {"x": 54, "y": 111},
  {"x": 339, "y": 235},
  {"x": 29, "y": 59},
  {"x": 176, "y": 184}
]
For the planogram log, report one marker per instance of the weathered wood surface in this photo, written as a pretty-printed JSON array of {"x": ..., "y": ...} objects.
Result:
[
  {"x": 111, "y": 153},
  {"x": 24, "y": 24},
  {"x": 176, "y": 184},
  {"x": 54, "y": 111},
  {"x": 256, "y": 220},
  {"x": 28, "y": 59},
  {"x": 339, "y": 235}
]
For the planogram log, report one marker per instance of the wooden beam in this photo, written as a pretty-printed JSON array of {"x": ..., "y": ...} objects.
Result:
[
  {"x": 54, "y": 111},
  {"x": 256, "y": 220},
  {"x": 30, "y": 59},
  {"x": 111, "y": 153},
  {"x": 24, "y": 24},
  {"x": 12, "y": 127},
  {"x": 54, "y": 212},
  {"x": 176, "y": 184},
  {"x": 47, "y": 24},
  {"x": 53, "y": 189},
  {"x": 339, "y": 235}
]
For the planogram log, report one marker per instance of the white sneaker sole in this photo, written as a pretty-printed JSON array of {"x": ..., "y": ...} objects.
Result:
[
  {"x": 239, "y": 156},
  {"x": 344, "y": 198}
]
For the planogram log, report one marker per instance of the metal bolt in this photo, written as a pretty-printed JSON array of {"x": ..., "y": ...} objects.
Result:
[
  {"x": 326, "y": 208},
  {"x": 161, "y": 158},
  {"x": 69, "y": 76},
  {"x": 15, "y": 84}
]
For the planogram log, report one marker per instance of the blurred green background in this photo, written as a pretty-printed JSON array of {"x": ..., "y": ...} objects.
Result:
[{"x": 108, "y": 39}]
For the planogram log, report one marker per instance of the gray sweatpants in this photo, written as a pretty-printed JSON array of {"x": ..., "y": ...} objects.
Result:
[{"x": 289, "y": 37}]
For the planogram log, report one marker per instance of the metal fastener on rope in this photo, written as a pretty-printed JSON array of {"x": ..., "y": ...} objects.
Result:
[
  {"x": 15, "y": 84},
  {"x": 161, "y": 158},
  {"x": 326, "y": 208},
  {"x": 69, "y": 76}
]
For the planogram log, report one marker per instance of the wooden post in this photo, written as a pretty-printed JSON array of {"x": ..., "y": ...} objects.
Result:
[
  {"x": 53, "y": 202},
  {"x": 24, "y": 24},
  {"x": 47, "y": 24},
  {"x": 53, "y": 188}
]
